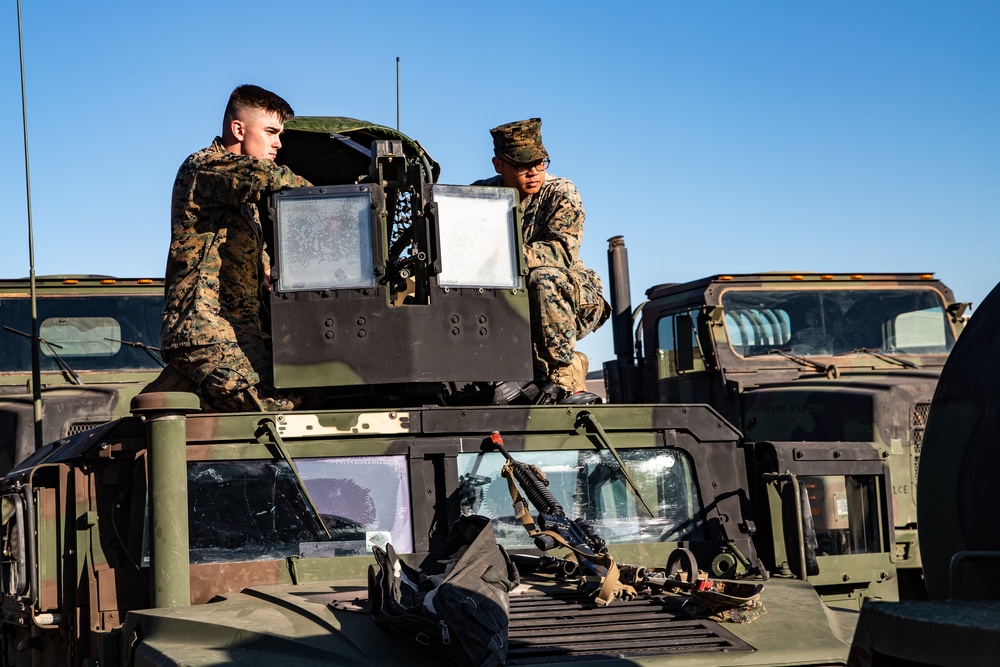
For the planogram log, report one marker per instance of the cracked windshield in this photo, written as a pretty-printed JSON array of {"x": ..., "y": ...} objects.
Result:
[
  {"x": 254, "y": 510},
  {"x": 591, "y": 486}
]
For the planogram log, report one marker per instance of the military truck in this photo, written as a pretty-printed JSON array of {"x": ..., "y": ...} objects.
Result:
[
  {"x": 97, "y": 350},
  {"x": 174, "y": 537},
  {"x": 812, "y": 358},
  {"x": 960, "y": 530}
]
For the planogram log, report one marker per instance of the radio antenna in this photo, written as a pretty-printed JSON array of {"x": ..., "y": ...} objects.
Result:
[
  {"x": 397, "y": 92},
  {"x": 36, "y": 370}
]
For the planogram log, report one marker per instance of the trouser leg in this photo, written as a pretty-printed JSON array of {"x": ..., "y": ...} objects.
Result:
[
  {"x": 565, "y": 306},
  {"x": 229, "y": 377}
]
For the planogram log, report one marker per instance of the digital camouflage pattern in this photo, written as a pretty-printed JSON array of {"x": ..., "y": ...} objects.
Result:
[
  {"x": 520, "y": 141},
  {"x": 215, "y": 267},
  {"x": 235, "y": 383},
  {"x": 566, "y": 298}
]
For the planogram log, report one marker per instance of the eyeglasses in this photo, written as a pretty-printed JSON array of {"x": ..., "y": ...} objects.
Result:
[{"x": 522, "y": 169}]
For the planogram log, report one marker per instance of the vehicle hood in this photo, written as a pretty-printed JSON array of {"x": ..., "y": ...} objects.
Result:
[{"x": 323, "y": 624}]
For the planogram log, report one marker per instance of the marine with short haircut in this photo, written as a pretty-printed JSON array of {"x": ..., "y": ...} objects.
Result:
[
  {"x": 565, "y": 297},
  {"x": 218, "y": 267}
]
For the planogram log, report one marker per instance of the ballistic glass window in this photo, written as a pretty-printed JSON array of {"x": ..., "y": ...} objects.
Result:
[
  {"x": 477, "y": 234},
  {"x": 254, "y": 510},
  {"x": 589, "y": 485},
  {"x": 324, "y": 238}
]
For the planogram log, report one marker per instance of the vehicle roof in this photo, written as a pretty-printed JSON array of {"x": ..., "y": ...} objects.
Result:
[
  {"x": 795, "y": 279},
  {"x": 70, "y": 282}
]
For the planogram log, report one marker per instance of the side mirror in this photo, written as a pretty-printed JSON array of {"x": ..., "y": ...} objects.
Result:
[{"x": 685, "y": 343}]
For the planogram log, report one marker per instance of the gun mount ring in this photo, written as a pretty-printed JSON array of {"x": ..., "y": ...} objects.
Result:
[{"x": 682, "y": 560}]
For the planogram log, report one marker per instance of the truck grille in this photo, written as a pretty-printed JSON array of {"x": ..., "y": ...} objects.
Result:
[
  {"x": 565, "y": 626},
  {"x": 918, "y": 422},
  {"x": 79, "y": 427}
]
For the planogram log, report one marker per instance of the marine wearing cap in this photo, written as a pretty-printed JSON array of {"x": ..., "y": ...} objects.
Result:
[
  {"x": 565, "y": 297},
  {"x": 520, "y": 141}
]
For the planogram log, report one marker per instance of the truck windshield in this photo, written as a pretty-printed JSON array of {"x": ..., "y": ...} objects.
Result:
[
  {"x": 90, "y": 333},
  {"x": 837, "y": 321},
  {"x": 589, "y": 485}
]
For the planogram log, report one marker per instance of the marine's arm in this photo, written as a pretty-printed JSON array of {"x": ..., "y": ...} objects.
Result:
[
  {"x": 557, "y": 231},
  {"x": 233, "y": 179}
]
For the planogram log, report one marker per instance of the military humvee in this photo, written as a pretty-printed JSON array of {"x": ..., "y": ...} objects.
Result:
[
  {"x": 99, "y": 336},
  {"x": 174, "y": 537},
  {"x": 802, "y": 357},
  {"x": 959, "y": 528}
]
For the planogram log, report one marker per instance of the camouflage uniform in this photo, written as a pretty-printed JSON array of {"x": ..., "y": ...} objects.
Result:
[
  {"x": 566, "y": 298},
  {"x": 211, "y": 330}
]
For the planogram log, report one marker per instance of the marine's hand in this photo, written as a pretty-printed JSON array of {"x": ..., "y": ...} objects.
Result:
[{"x": 265, "y": 282}]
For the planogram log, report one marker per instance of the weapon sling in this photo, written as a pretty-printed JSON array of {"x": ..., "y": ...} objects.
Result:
[{"x": 603, "y": 574}]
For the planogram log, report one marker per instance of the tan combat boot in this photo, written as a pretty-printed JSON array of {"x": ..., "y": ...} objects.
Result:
[{"x": 572, "y": 376}]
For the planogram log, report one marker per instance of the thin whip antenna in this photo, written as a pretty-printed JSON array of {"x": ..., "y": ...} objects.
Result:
[
  {"x": 397, "y": 92},
  {"x": 36, "y": 364}
]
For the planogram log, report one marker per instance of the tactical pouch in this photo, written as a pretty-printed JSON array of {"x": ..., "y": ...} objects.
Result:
[
  {"x": 459, "y": 610},
  {"x": 729, "y": 602}
]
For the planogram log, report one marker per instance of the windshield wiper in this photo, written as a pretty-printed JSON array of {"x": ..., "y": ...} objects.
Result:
[
  {"x": 831, "y": 371},
  {"x": 878, "y": 354},
  {"x": 148, "y": 349},
  {"x": 606, "y": 441},
  {"x": 269, "y": 428},
  {"x": 74, "y": 378}
]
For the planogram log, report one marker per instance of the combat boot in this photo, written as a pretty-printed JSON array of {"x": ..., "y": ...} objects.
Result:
[
  {"x": 572, "y": 376},
  {"x": 572, "y": 379}
]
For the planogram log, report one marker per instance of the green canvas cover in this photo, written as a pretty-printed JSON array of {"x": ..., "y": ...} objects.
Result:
[{"x": 311, "y": 144}]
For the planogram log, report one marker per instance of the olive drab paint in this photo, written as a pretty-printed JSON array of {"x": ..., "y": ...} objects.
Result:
[
  {"x": 853, "y": 374},
  {"x": 265, "y": 555}
]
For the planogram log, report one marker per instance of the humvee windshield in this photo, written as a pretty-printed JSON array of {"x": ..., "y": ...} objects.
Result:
[
  {"x": 589, "y": 485},
  {"x": 837, "y": 321},
  {"x": 253, "y": 510},
  {"x": 89, "y": 333}
]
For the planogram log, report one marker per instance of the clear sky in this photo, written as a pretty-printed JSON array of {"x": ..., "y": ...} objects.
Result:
[{"x": 717, "y": 137}]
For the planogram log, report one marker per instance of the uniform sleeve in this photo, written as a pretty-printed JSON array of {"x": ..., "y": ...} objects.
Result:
[
  {"x": 234, "y": 179},
  {"x": 558, "y": 232}
]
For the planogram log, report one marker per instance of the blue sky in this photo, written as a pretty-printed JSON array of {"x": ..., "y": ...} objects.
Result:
[{"x": 717, "y": 137}]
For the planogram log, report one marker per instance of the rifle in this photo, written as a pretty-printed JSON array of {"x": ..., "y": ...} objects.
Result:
[{"x": 554, "y": 529}]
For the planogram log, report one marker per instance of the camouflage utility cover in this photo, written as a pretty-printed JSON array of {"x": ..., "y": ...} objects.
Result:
[{"x": 520, "y": 141}]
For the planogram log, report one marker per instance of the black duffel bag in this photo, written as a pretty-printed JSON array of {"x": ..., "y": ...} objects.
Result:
[{"x": 457, "y": 608}]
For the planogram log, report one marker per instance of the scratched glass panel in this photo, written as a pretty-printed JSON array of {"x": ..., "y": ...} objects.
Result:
[
  {"x": 590, "y": 486},
  {"x": 476, "y": 236},
  {"x": 254, "y": 510},
  {"x": 364, "y": 501},
  {"x": 325, "y": 243}
]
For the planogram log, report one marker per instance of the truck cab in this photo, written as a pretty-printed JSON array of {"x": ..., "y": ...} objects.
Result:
[
  {"x": 808, "y": 358},
  {"x": 98, "y": 348}
]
